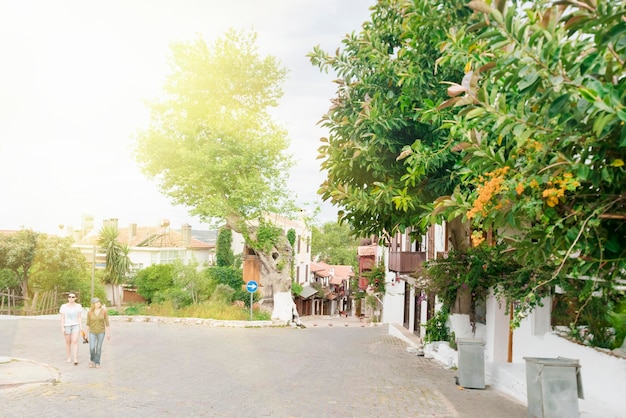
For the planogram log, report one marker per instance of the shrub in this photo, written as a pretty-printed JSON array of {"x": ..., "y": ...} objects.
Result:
[
  {"x": 436, "y": 329},
  {"x": 154, "y": 279},
  {"x": 223, "y": 293}
]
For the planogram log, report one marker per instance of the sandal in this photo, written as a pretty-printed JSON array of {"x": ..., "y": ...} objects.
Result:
[
  {"x": 91, "y": 365},
  {"x": 97, "y": 366}
]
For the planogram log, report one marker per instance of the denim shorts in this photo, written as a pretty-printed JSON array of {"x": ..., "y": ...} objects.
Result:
[{"x": 71, "y": 329}]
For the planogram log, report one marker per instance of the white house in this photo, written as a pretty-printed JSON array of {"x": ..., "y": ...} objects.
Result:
[{"x": 151, "y": 245}]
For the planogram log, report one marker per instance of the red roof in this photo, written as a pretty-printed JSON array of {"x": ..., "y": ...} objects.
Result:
[
  {"x": 153, "y": 236},
  {"x": 337, "y": 273}
]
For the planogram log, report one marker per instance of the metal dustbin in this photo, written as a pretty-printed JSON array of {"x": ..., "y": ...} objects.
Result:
[
  {"x": 553, "y": 386},
  {"x": 471, "y": 363}
]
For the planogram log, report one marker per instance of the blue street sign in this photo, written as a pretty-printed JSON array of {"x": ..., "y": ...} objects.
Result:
[{"x": 252, "y": 286}]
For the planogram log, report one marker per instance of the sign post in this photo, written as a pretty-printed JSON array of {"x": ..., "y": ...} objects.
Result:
[{"x": 251, "y": 287}]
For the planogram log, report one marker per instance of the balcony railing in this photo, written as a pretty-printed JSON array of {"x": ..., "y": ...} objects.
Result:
[{"x": 406, "y": 262}]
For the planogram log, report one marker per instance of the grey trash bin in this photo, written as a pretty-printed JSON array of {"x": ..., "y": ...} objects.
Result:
[
  {"x": 553, "y": 386},
  {"x": 471, "y": 363}
]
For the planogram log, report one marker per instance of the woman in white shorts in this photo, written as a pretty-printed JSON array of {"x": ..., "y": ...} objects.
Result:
[{"x": 71, "y": 324}]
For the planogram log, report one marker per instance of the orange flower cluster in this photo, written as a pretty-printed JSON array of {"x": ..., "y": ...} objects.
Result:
[
  {"x": 477, "y": 238},
  {"x": 557, "y": 189},
  {"x": 491, "y": 186}
]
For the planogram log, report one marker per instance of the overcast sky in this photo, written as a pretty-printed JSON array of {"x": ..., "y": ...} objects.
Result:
[{"x": 73, "y": 78}]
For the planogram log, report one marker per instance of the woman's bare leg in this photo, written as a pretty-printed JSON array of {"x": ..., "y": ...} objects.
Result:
[
  {"x": 68, "y": 345},
  {"x": 75, "y": 346}
]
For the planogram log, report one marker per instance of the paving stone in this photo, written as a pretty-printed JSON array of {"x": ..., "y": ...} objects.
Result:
[{"x": 160, "y": 369}]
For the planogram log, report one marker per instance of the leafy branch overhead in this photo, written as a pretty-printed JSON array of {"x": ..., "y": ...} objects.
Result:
[
  {"x": 545, "y": 140},
  {"x": 510, "y": 116}
]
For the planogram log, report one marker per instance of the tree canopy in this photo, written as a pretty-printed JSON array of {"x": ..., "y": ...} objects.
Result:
[
  {"x": 388, "y": 155},
  {"x": 334, "y": 243},
  {"x": 542, "y": 109},
  {"x": 211, "y": 143},
  {"x": 509, "y": 115},
  {"x": 213, "y": 147}
]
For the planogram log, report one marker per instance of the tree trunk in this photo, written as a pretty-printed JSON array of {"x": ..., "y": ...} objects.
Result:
[
  {"x": 25, "y": 293},
  {"x": 275, "y": 275},
  {"x": 459, "y": 239},
  {"x": 274, "y": 270},
  {"x": 113, "y": 293}
]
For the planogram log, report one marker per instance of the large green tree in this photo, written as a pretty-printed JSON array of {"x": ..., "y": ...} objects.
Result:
[
  {"x": 214, "y": 147},
  {"x": 17, "y": 254},
  {"x": 334, "y": 243},
  {"x": 41, "y": 262},
  {"x": 389, "y": 154},
  {"x": 542, "y": 108},
  {"x": 58, "y": 266}
]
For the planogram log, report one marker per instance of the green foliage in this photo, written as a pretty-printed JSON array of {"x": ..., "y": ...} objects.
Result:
[
  {"x": 334, "y": 244},
  {"x": 591, "y": 313},
  {"x": 224, "y": 256},
  {"x": 389, "y": 153},
  {"x": 36, "y": 262},
  {"x": 617, "y": 318},
  {"x": 8, "y": 280},
  {"x": 376, "y": 278},
  {"x": 228, "y": 276},
  {"x": 176, "y": 296},
  {"x": 436, "y": 329},
  {"x": 181, "y": 284},
  {"x": 320, "y": 290},
  {"x": 541, "y": 109},
  {"x": 131, "y": 310},
  {"x": 189, "y": 280},
  {"x": 512, "y": 121},
  {"x": 118, "y": 264},
  {"x": 207, "y": 309},
  {"x": 296, "y": 288},
  {"x": 17, "y": 253},
  {"x": 223, "y": 293},
  {"x": 482, "y": 268},
  {"x": 371, "y": 301},
  {"x": 291, "y": 237},
  {"x": 266, "y": 238},
  {"x": 153, "y": 279},
  {"x": 59, "y": 266},
  {"x": 211, "y": 142}
]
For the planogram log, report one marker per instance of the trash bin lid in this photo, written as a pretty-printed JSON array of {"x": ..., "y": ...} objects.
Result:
[
  {"x": 470, "y": 341},
  {"x": 554, "y": 361}
]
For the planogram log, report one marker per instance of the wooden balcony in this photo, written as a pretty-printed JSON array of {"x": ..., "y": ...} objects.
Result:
[{"x": 406, "y": 262}]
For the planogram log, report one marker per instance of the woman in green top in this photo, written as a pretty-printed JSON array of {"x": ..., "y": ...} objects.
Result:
[{"x": 97, "y": 327}]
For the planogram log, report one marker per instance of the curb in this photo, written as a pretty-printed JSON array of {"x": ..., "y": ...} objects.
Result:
[{"x": 19, "y": 371}]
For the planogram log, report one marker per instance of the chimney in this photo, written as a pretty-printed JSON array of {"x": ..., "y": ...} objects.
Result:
[
  {"x": 111, "y": 222},
  {"x": 132, "y": 232},
  {"x": 186, "y": 235}
]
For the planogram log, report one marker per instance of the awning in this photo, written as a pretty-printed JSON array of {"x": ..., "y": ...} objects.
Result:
[{"x": 307, "y": 292}]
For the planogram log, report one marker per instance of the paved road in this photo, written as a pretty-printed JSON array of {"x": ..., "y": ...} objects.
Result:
[{"x": 159, "y": 369}]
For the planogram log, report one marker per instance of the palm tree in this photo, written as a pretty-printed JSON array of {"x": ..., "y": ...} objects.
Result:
[{"x": 118, "y": 262}]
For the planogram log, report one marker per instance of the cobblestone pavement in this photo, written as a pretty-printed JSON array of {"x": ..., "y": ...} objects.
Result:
[{"x": 163, "y": 369}]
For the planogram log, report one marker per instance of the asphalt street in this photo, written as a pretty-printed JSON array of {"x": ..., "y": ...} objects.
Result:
[{"x": 154, "y": 369}]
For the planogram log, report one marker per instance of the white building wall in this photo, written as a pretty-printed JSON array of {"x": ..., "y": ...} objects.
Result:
[
  {"x": 603, "y": 374},
  {"x": 440, "y": 238}
]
